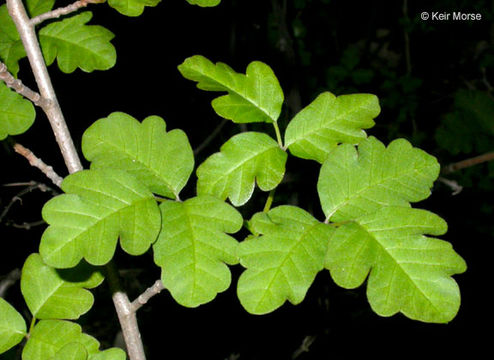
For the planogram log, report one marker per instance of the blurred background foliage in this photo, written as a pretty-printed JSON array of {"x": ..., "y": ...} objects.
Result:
[{"x": 435, "y": 83}]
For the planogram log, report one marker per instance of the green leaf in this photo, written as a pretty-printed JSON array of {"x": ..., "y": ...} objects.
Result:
[
  {"x": 50, "y": 294},
  {"x": 16, "y": 113},
  {"x": 55, "y": 339},
  {"x": 38, "y": 7},
  {"x": 77, "y": 45},
  {"x": 132, "y": 7},
  {"x": 161, "y": 160},
  {"x": 11, "y": 48},
  {"x": 254, "y": 97},
  {"x": 71, "y": 351},
  {"x": 233, "y": 171},
  {"x": 408, "y": 272},
  {"x": 352, "y": 184},
  {"x": 109, "y": 354},
  {"x": 283, "y": 261},
  {"x": 99, "y": 207},
  {"x": 204, "y": 3},
  {"x": 329, "y": 121},
  {"x": 193, "y": 247},
  {"x": 12, "y": 326}
]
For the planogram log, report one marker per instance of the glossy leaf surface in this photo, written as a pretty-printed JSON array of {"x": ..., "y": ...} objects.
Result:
[
  {"x": 55, "y": 338},
  {"x": 132, "y": 7},
  {"x": 57, "y": 294},
  {"x": 242, "y": 160},
  {"x": 407, "y": 271},
  {"x": 16, "y": 113},
  {"x": 253, "y": 97},
  {"x": 329, "y": 121},
  {"x": 71, "y": 351},
  {"x": 283, "y": 260},
  {"x": 354, "y": 183},
  {"x": 77, "y": 45},
  {"x": 99, "y": 207},
  {"x": 193, "y": 248},
  {"x": 12, "y": 326},
  {"x": 161, "y": 160}
]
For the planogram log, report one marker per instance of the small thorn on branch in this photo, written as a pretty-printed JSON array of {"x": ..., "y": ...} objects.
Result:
[{"x": 38, "y": 163}]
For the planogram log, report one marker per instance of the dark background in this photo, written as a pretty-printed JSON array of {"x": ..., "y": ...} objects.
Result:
[{"x": 417, "y": 69}]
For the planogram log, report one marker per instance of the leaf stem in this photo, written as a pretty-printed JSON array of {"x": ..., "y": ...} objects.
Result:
[
  {"x": 269, "y": 200},
  {"x": 278, "y": 135}
]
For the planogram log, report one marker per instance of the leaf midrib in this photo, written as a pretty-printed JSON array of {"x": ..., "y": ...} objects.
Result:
[
  {"x": 383, "y": 249},
  {"x": 326, "y": 124},
  {"x": 382, "y": 182},
  {"x": 233, "y": 89}
]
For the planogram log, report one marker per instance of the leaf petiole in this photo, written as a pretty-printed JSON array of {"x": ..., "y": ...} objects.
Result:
[
  {"x": 278, "y": 135},
  {"x": 269, "y": 200}
]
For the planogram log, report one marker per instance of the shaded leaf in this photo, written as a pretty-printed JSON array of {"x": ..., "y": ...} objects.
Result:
[
  {"x": 50, "y": 295},
  {"x": 408, "y": 272},
  {"x": 283, "y": 260},
  {"x": 132, "y": 7},
  {"x": 161, "y": 160},
  {"x": 77, "y": 45},
  {"x": 12, "y": 326},
  {"x": 16, "y": 113},
  {"x": 38, "y": 7},
  {"x": 242, "y": 160},
  {"x": 329, "y": 121},
  {"x": 193, "y": 248},
  {"x": 353, "y": 183},
  {"x": 470, "y": 126},
  {"x": 254, "y": 97},
  {"x": 99, "y": 207}
]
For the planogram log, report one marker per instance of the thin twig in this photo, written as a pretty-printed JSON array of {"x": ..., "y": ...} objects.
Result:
[
  {"x": 146, "y": 295},
  {"x": 27, "y": 225},
  {"x": 210, "y": 137},
  {"x": 306, "y": 343},
  {"x": 53, "y": 111},
  {"x": 54, "y": 14},
  {"x": 38, "y": 163},
  {"x": 406, "y": 37},
  {"x": 20, "y": 88},
  {"x": 10, "y": 279},
  {"x": 30, "y": 186},
  {"x": 452, "y": 184},
  {"x": 489, "y": 156}
]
